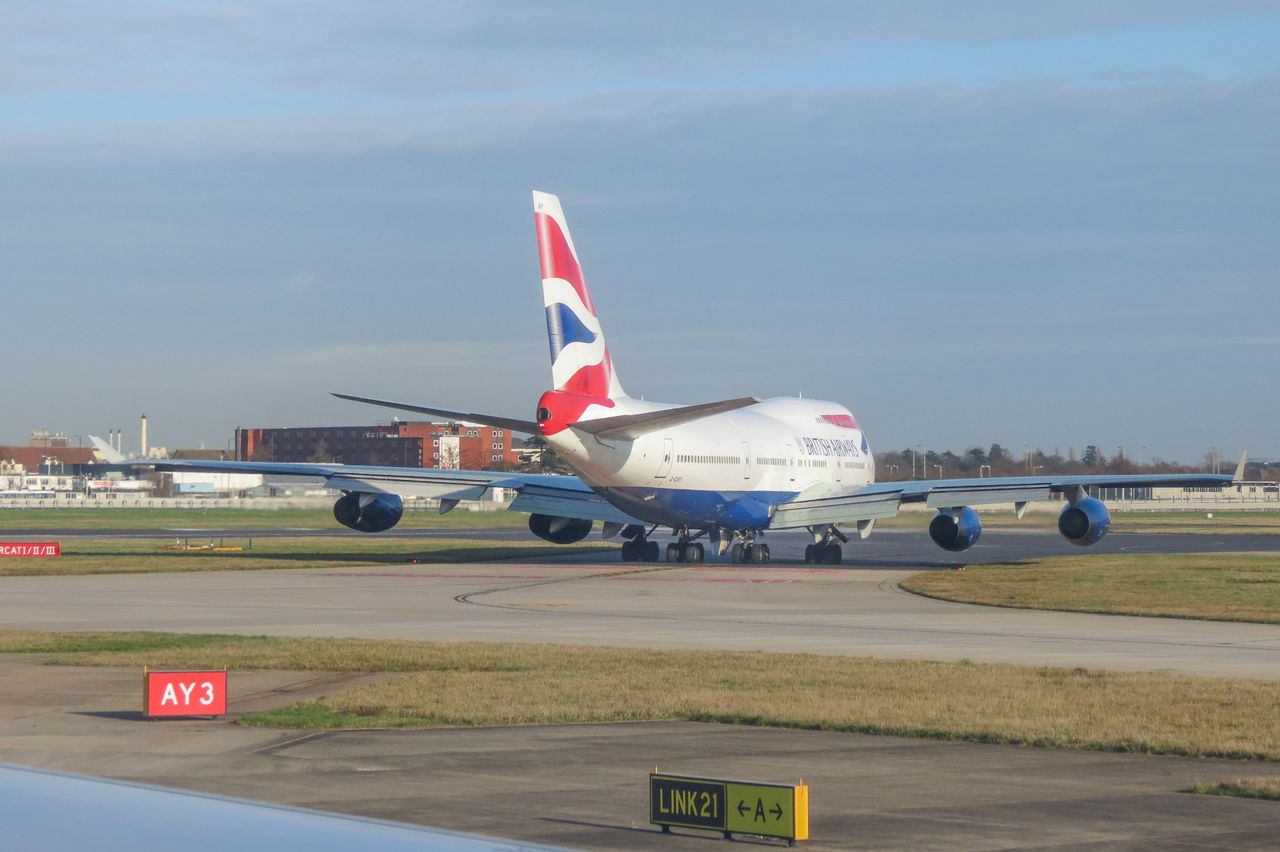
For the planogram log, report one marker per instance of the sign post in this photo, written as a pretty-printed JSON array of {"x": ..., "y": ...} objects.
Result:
[
  {"x": 169, "y": 694},
  {"x": 730, "y": 807}
]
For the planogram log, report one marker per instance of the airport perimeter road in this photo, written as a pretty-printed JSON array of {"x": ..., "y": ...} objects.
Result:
[{"x": 831, "y": 610}]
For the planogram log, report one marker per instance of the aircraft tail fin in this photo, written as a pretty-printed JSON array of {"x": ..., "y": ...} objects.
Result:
[
  {"x": 580, "y": 361},
  {"x": 1244, "y": 460},
  {"x": 109, "y": 453}
]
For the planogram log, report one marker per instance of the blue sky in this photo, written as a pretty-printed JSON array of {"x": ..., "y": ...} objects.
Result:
[{"x": 1048, "y": 223}]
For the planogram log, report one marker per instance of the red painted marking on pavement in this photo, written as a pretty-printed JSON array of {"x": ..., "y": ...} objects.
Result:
[
  {"x": 749, "y": 580},
  {"x": 434, "y": 576}
]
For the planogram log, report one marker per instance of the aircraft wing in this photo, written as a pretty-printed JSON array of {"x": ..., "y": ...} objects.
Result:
[
  {"x": 547, "y": 494},
  {"x": 882, "y": 499}
]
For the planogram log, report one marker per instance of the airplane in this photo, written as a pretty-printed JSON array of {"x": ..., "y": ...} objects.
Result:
[{"x": 730, "y": 470}]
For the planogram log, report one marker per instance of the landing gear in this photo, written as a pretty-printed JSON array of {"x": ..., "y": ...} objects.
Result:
[
  {"x": 686, "y": 552},
  {"x": 684, "y": 548},
  {"x": 640, "y": 548},
  {"x": 825, "y": 549},
  {"x": 749, "y": 551},
  {"x": 823, "y": 554}
]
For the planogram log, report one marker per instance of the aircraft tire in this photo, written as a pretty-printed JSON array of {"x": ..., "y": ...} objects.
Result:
[
  {"x": 629, "y": 551},
  {"x": 737, "y": 554},
  {"x": 696, "y": 553},
  {"x": 810, "y": 556},
  {"x": 834, "y": 554},
  {"x": 764, "y": 548},
  {"x": 650, "y": 551},
  {"x": 759, "y": 554},
  {"x": 674, "y": 554}
]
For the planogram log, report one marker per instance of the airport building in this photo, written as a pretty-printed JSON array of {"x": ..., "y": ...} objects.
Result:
[{"x": 450, "y": 445}]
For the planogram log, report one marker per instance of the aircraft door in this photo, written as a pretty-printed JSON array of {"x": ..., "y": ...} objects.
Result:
[
  {"x": 746, "y": 460},
  {"x": 668, "y": 454},
  {"x": 791, "y": 464}
]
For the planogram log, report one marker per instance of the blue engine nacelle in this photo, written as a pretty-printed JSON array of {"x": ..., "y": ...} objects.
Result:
[
  {"x": 369, "y": 513},
  {"x": 559, "y": 530},
  {"x": 1085, "y": 522},
  {"x": 955, "y": 529}
]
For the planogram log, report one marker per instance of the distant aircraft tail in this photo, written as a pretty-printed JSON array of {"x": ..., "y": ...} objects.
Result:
[
  {"x": 108, "y": 453},
  {"x": 580, "y": 362}
]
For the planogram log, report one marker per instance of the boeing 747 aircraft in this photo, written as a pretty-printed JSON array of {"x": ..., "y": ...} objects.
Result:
[{"x": 726, "y": 471}]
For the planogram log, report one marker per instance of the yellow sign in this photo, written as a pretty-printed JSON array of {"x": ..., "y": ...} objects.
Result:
[
  {"x": 768, "y": 810},
  {"x": 732, "y": 807}
]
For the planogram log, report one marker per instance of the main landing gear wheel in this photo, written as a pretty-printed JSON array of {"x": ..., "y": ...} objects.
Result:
[
  {"x": 823, "y": 554},
  {"x": 640, "y": 550},
  {"x": 743, "y": 553},
  {"x": 685, "y": 552}
]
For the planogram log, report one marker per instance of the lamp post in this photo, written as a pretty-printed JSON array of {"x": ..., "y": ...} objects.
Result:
[
  {"x": 1215, "y": 451},
  {"x": 1120, "y": 456},
  {"x": 939, "y": 467},
  {"x": 1141, "y": 451}
]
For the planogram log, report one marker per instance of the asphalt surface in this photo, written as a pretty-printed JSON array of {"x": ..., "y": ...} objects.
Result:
[
  {"x": 853, "y": 609},
  {"x": 585, "y": 786}
]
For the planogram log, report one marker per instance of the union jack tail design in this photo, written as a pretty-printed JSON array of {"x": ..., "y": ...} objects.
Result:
[{"x": 580, "y": 360}]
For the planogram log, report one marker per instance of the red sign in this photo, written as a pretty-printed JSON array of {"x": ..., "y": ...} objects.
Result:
[
  {"x": 30, "y": 548},
  {"x": 202, "y": 693}
]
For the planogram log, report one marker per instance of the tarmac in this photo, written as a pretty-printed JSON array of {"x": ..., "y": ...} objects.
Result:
[
  {"x": 586, "y": 786},
  {"x": 852, "y": 609}
]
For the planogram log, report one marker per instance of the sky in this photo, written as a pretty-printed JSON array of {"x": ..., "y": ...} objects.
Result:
[{"x": 1051, "y": 223}]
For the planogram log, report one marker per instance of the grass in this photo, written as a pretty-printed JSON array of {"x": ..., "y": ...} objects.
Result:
[
  {"x": 198, "y": 518},
  {"x": 133, "y": 556},
  {"x": 1171, "y": 522},
  {"x": 462, "y": 684},
  {"x": 1216, "y": 586},
  {"x": 1264, "y": 787}
]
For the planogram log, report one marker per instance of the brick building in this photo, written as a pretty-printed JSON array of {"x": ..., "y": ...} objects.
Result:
[{"x": 466, "y": 446}]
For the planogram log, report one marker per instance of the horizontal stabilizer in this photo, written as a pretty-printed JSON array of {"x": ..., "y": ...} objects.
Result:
[
  {"x": 526, "y": 426},
  {"x": 630, "y": 426}
]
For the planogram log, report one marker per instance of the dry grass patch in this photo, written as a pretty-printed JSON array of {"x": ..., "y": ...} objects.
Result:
[
  {"x": 112, "y": 555},
  {"x": 473, "y": 683},
  {"x": 1264, "y": 787},
  {"x": 1215, "y": 586}
]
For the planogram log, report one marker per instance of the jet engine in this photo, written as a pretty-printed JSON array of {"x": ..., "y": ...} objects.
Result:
[
  {"x": 1084, "y": 522},
  {"x": 955, "y": 529},
  {"x": 370, "y": 513},
  {"x": 559, "y": 530}
]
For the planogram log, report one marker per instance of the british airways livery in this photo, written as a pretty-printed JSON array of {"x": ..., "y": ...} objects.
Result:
[{"x": 722, "y": 472}]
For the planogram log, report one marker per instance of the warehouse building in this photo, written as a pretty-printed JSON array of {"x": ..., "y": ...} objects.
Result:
[{"x": 451, "y": 445}]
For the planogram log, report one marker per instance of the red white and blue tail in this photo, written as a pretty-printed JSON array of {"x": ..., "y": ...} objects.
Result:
[{"x": 580, "y": 361}]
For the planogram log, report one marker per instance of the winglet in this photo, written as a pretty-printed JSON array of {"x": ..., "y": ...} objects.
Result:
[{"x": 1244, "y": 459}]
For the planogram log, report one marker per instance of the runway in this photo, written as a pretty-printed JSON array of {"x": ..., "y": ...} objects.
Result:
[{"x": 855, "y": 609}]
